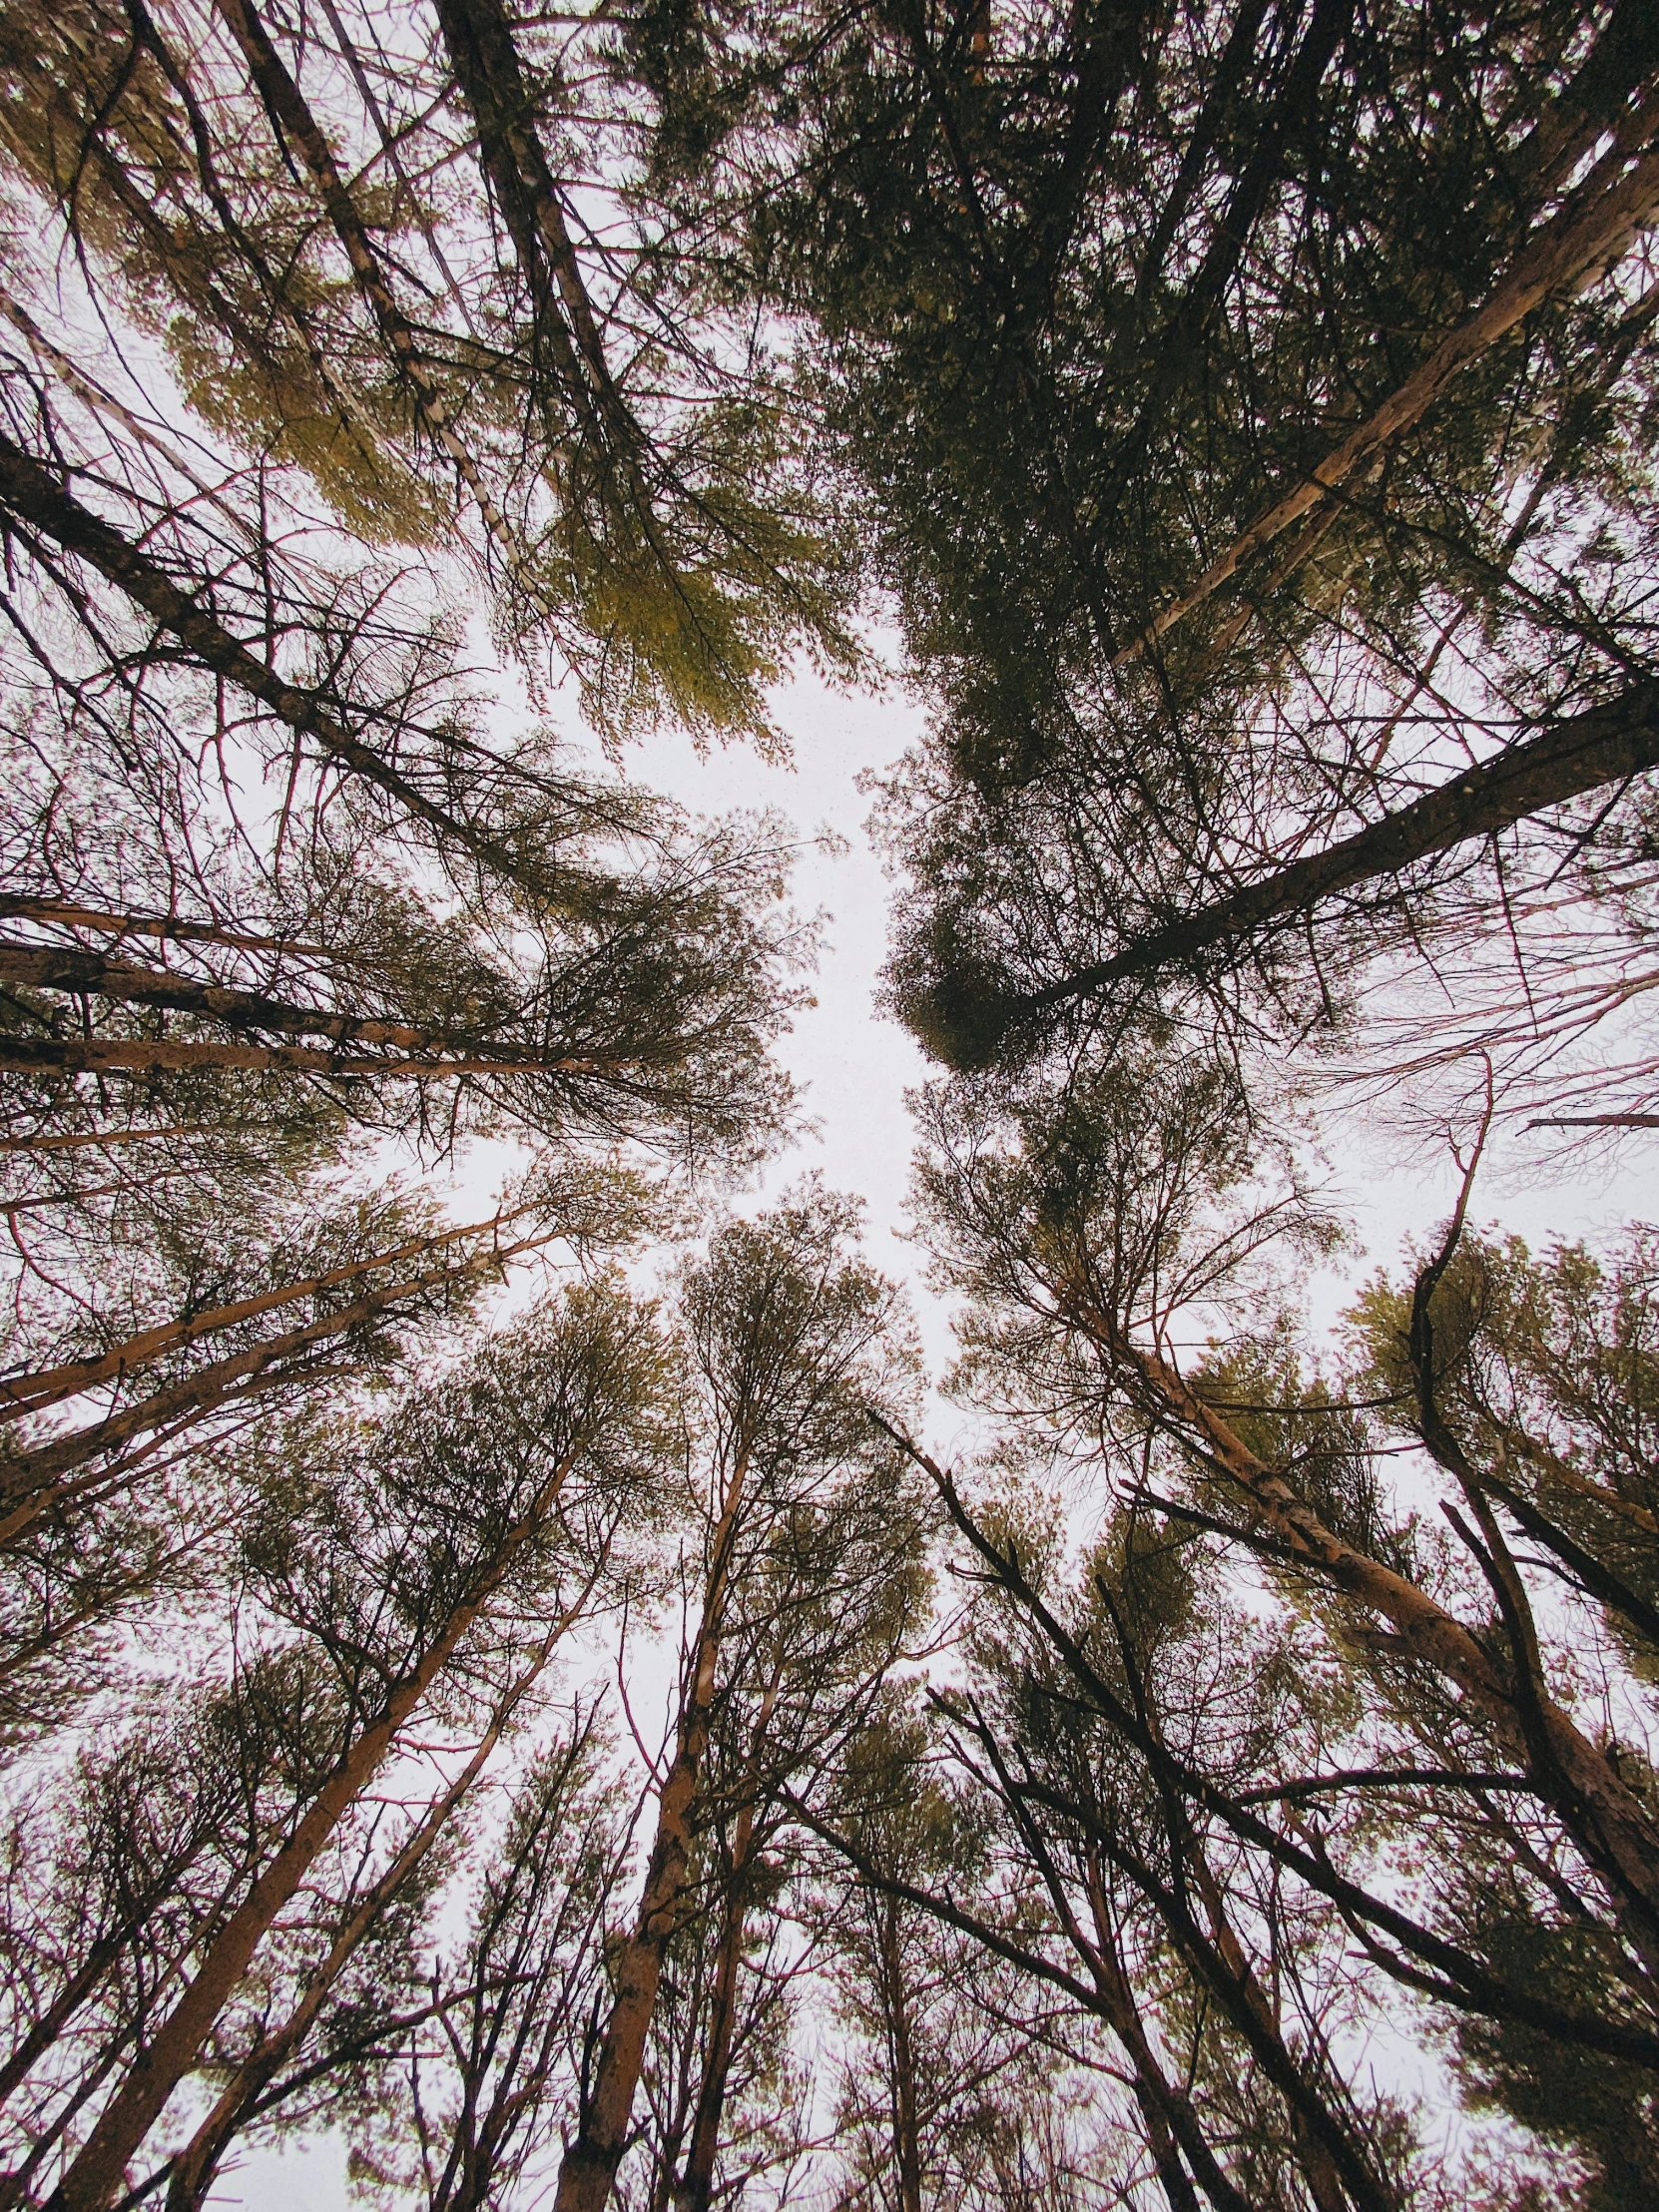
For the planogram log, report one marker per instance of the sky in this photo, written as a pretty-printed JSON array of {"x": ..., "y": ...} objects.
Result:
[{"x": 856, "y": 1068}]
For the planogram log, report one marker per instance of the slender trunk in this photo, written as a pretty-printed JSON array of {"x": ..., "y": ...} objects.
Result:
[
  {"x": 32, "y": 1478},
  {"x": 16, "y": 907},
  {"x": 1323, "y": 2182},
  {"x": 1171, "y": 2124},
  {"x": 588, "y": 2170},
  {"x": 161, "y": 1055},
  {"x": 74, "y": 968},
  {"x": 297, "y": 127},
  {"x": 28, "y": 1393},
  {"x": 896, "y": 2005},
  {"x": 478, "y": 38},
  {"x": 35, "y": 498},
  {"x": 1603, "y": 746},
  {"x": 1571, "y": 252},
  {"x": 95, "y": 2173},
  {"x": 1594, "y": 1803},
  {"x": 697, "y": 2186},
  {"x": 195, "y": 2168},
  {"x": 103, "y": 1138}
]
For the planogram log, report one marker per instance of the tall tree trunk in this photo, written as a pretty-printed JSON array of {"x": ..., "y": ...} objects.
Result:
[
  {"x": 1603, "y": 746},
  {"x": 95, "y": 2175},
  {"x": 160, "y": 1055},
  {"x": 33, "y": 1478},
  {"x": 588, "y": 2170},
  {"x": 901, "y": 2058},
  {"x": 29, "y": 1394},
  {"x": 697, "y": 2184},
  {"x": 1579, "y": 246},
  {"x": 34, "y": 498},
  {"x": 1593, "y": 1802},
  {"x": 74, "y": 968},
  {"x": 196, "y": 2165}
]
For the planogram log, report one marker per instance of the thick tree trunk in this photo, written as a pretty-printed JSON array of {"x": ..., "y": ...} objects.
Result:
[
  {"x": 196, "y": 2165},
  {"x": 1603, "y": 746},
  {"x": 588, "y": 2171},
  {"x": 697, "y": 2184},
  {"x": 73, "y": 968},
  {"x": 1597, "y": 1807},
  {"x": 298, "y": 127},
  {"x": 96, "y": 2174}
]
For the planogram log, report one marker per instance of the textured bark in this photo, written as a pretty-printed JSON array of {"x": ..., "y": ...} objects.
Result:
[
  {"x": 161, "y": 1055},
  {"x": 1603, "y": 746},
  {"x": 588, "y": 2170},
  {"x": 478, "y": 38},
  {"x": 96, "y": 2174},
  {"x": 298, "y": 127},
  {"x": 697, "y": 2184},
  {"x": 28, "y": 1393},
  {"x": 1598, "y": 1808},
  {"x": 1579, "y": 247},
  {"x": 173, "y": 927}
]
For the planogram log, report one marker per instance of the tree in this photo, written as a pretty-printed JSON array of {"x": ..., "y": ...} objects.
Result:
[
  {"x": 787, "y": 1334},
  {"x": 1232, "y": 499},
  {"x": 387, "y": 1590}
]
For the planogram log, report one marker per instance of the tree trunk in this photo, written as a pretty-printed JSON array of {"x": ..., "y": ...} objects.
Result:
[
  {"x": 697, "y": 2186},
  {"x": 74, "y": 968},
  {"x": 1595, "y": 1805},
  {"x": 1603, "y": 746},
  {"x": 588, "y": 2170},
  {"x": 297, "y": 127},
  {"x": 196, "y": 2166},
  {"x": 161, "y": 1055},
  {"x": 906, "y": 2138},
  {"x": 29, "y": 1394},
  {"x": 1579, "y": 247},
  {"x": 96, "y": 2174},
  {"x": 37, "y": 500},
  {"x": 33, "y": 1478}
]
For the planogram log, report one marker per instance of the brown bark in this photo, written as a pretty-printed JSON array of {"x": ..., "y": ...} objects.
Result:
[
  {"x": 588, "y": 2170},
  {"x": 32, "y": 1479},
  {"x": 1602, "y": 745},
  {"x": 73, "y": 968},
  {"x": 896, "y": 2007},
  {"x": 34, "y": 497},
  {"x": 697, "y": 2184},
  {"x": 28, "y": 1393},
  {"x": 69, "y": 916},
  {"x": 100, "y": 1138},
  {"x": 1582, "y": 243},
  {"x": 95, "y": 2173},
  {"x": 161, "y": 1055},
  {"x": 478, "y": 38},
  {"x": 298, "y": 126},
  {"x": 195, "y": 2168},
  {"x": 1599, "y": 1809}
]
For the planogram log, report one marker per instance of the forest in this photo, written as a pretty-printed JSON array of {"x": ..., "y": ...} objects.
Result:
[{"x": 1179, "y": 1754}]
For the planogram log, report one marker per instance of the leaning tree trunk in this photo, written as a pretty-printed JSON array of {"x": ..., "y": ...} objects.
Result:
[{"x": 96, "y": 2174}]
